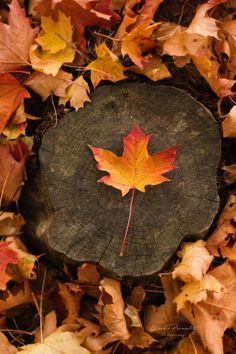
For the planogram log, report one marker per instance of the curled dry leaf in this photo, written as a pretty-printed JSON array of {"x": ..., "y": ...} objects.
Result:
[
  {"x": 77, "y": 93},
  {"x": 18, "y": 295},
  {"x": 230, "y": 173},
  {"x": 88, "y": 275},
  {"x": 49, "y": 326},
  {"x": 112, "y": 305},
  {"x": 229, "y": 211},
  {"x": 106, "y": 66},
  {"x": 229, "y": 124},
  {"x": 221, "y": 238},
  {"x": 197, "y": 291},
  {"x": 195, "y": 262},
  {"x": 10, "y": 224},
  {"x": 136, "y": 297},
  {"x": 71, "y": 301},
  {"x": 16, "y": 38},
  {"x": 46, "y": 85}
]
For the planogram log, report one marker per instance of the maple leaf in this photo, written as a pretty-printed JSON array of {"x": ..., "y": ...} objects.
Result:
[
  {"x": 12, "y": 170},
  {"x": 54, "y": 45},
  {"x": 195, "y": 261},
  {"x": 76, "y": 93},
  {"x": 16, "y": 38},
  {"x": 203, "y": 24},
  {"x": 135, "y": 168},
  {"x": 229, "y": 124},
  {"x": 153, "y": 68},
  {"x": 12, "y": 94},
  {"x": 139, "y": 40},
  {"x": 46, "y": 85},
  {"x": 197, "y": 291},
  {"x": 106, "y": 66},
  {"x": 7, "y": 256}
]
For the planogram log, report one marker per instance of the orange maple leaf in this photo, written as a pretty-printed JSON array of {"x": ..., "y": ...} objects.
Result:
[{"x": 135, "y": 169}]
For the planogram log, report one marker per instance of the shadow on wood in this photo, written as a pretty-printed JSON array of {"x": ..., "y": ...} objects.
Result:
[{"x": 77, "y": 219}]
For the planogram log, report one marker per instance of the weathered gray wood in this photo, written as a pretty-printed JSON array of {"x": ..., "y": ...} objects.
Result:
[{"x": 76, "y": 217}]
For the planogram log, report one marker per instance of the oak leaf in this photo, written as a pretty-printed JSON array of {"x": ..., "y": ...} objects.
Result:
[
  {"x": 195, "y": 262},
  {"x": 7, "y": 255},
  {"x": 46, "y": 85},
  {"x": 16, "y": 38},
  {"x": 12, "y": 94},
  {"x": 135, "y": 168},
  {"x": 77, "y": 93},
  {"x": 106, "y": 66},
  {"x": 54, "y": 45}
]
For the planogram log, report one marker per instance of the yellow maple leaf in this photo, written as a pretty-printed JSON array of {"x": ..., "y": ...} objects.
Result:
[
  {"x": 106, "y": 66},
  {"x": 77, "y": 93},
  {"x": 54, "y": 45}
]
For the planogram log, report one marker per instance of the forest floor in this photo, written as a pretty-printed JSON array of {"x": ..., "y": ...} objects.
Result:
[{"x": 51, "y": 69}]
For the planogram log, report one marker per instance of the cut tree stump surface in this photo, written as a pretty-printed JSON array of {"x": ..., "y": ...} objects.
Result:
[{"x": 76, "y": 218}]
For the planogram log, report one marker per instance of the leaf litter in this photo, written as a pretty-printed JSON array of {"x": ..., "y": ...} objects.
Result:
[{"x": 52, "y": 51}]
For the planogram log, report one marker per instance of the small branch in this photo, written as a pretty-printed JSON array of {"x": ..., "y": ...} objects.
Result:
[{"x": 128, "y": 223}]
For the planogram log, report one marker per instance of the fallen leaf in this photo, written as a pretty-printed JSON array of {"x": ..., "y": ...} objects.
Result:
[
  {"x": 12, "y": 94},
  {"x": 216, "y": 313},
  {"x": 148, "y": 10},
  {"x": 195, "y": 261},
  {"x": 112, "y": 306},
  {"x": 139, "y": 40},
  {"x": 209, "y": 70},
  {"x": 230, "y": 173},
  {"x": 17, "y": 124},
  {"x": 71, "y": 301},
  {"x": 54, "y": 45},
  {"x": 153, "y": 68},
  {"x": 189, "y": 345},
  {"x": 7, "y": 255},
  {"x": 46, "y": 85},
  {"x": 5, "y": 345},
  {"x": 17, "y": 295},
  {"x": 229, "y": 211},
  {"x": 197, "y": 291},
  {"x": 10, "y": 223},
  {"x": 77, "y": 93},
  {"x": 229, "y": 124},
  {"x": 136, "y": 297},
  {"x": 89, "y": 279},
  {"x": 97, "y": 343},
  {"x": 11, "y": 173},
  {"x": 49, "y": 327},
  {"x": 163, "y": 320},
  {"x": 105, "y": 67},
  {"x": 57, "y": 342},
  {"x": 135, "y": 168},
  {"x": 203, "y": 24},
  {"x": 220, "y": 238},
  {"x": 16, "y": 38}
]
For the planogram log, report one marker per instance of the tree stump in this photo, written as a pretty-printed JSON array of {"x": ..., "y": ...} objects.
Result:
[{"x": 77, "y": 219}]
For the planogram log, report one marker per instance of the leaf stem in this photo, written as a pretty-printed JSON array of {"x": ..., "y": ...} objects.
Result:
[{"x": 128, "y": 223}]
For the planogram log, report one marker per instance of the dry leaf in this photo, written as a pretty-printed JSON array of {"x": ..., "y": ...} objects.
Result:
[
  {"x": 197, "y": 291},
  {"x": 113, "y": 309},
  {"x": 229, "y": 124},
  {"x": 18, "y": 295},
  {"x": 10, "y": 223},
  {"x": 46, "y": 85},
  {"x": 88, "y": 275},
  {"x": 153, "y": 68},
  {"x": 195, "y": 261},
  {"x": 7, "y": 256},
  {"x": 106, "y": 66},
  {"x": 76, "y": 93},
  {"x": 5, "y": 345},
  {"x": 16, "y": 38},
  {"x": 230, "y": 173},
  {"x": 71, "y": 301}
]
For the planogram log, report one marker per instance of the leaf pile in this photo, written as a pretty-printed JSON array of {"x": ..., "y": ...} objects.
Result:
[{"x": 61, "y": 50}]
